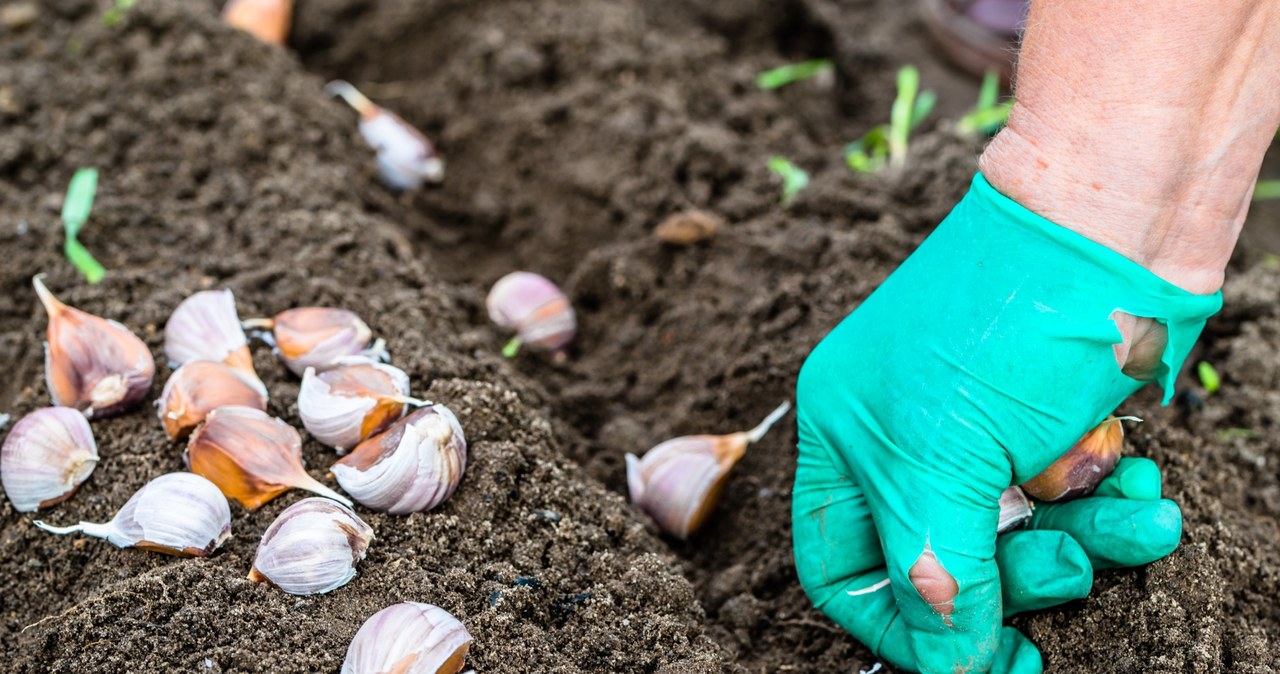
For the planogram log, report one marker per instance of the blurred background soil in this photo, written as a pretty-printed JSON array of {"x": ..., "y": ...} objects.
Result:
[{"x": 570, "y": 129}]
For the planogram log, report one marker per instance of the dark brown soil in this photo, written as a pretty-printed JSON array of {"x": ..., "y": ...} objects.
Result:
[{"x": 571, "y": 128}]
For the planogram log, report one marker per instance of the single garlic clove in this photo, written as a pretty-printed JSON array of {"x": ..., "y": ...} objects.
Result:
[
  {"x": 408, "y": 638},
  {"x": 411, "y": 467},
  {"x": 1078, "y": 472},
  {"x": 311, "y": 548},
  {"x": 92, "y": 364},
  {"x": 46, "y": 457},
  {"x": 688, "y": 227},
  {"x": 537, "y": 309},
  {"x": 252, "y": 456},
  {"x": 320, "y": 337},
  {"x": 179, "y": 514},
  {"x": 680, "y": 481},
  {"x": 205, "y": 326},
  {"x": 342, "y": 406},
  {"x": 267, "y": 20},
  {"x": 1015, "y": 509},
  {"x": 200, "y": 387},
  {"x": 406, "y": 158}
]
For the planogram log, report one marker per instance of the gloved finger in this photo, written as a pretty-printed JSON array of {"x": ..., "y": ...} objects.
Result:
[
  {"x": 1135, "y": 478},
  {"x": 1039, "y": 569},
  {"x": 1016, "y": 655},
  {"x": 1115, "y": 532}
]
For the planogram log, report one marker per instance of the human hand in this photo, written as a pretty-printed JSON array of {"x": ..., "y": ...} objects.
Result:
[{"x": 981, "y": 360}]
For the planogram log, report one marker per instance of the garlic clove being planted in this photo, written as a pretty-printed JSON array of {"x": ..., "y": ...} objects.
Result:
[
  {"x": 46, "y": 457},
  {"x": 342, "y": 406},
  {"x": 320, "y": 337},
  {"x": 406, "y": 158},
  {"x": 267, "y": 20},
  {"x": 179, "y": 514},
  {"x": 252, "y": 456},
  {"x": 408, "y": 638},
  {"x": 535, "y": 307},
  {"x": 92, "y": 364},
  {"x": 200, "y": 387},
  {"x": 679, "y": 481},
  {"x": 1078, "y": 472},
  {"x": 411, "y": 467},
  {"x": 311, "y": 548},
  {"x": 205, "y": 326}
]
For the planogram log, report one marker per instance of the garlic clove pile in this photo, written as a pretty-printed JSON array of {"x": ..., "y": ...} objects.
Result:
[
  {"x": 252, "y": 456},
  {"x": 205, "y": 326},
  {"x": 321, "y": 338},
  {"x": 342, "y": 406},
  {"x": 1078, "y": 472},
  {"x": 46, "y": 457},
  {"x": 92, "y": 364},
  {"x": 200, "y": 387},
  {"x": 406, "y": 158},
  {"x": 679, "y": 481},
  {"x": 311, "y": 548},
  {"x": 267, "y": 20},
  {"x": 535, "y": 307},
  {"x": 179, "y": 514},
  {"x": 411, "y": 467},
  {"x": 408, "y": 638}
]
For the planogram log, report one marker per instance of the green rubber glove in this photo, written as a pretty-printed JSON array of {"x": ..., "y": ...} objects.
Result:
[{"x": 980, "y": 361}]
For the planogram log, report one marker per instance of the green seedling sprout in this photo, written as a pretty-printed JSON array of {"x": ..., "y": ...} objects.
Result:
[
  {"x": 1237, "y": 434},
  {"x": 793, "y": 72},
  {"x": 75, "y": 212},
  {"x": 1266, "y": 190},
  {"x": 511, "y": 348},
  {"x": 1208, "y": 377},
  {"x": 989, "y": 115},
  {"x": 793, "y": 177},
  {"x": 887, "y": 143},
  {"x": 116, "y": 14}
]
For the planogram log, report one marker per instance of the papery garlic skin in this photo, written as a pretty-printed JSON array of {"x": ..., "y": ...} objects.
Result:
[
  {"x": 1079, "y": 471},
  {"x": 342, "y": 406},
  {"x": 92, "y": 364},
  {"x": 406, "y": 158},
  {"x": 311, "y": 548},
  {"x": 1015, "y": 509},
  {"x": 408, "y": 638},
  {"x": 322, "y": 338},
  {"x": 535, "y": 307},
  {"x": 205, "y": 326},
  {"x": 180, "y": 514},
  {"x": 267, "y": 20},
  {"x": 200, "y": 387},
  {"x": 46, "y": 457},
  {"x": 251, "y": 456},
  {"x": 411, "y": 467}
]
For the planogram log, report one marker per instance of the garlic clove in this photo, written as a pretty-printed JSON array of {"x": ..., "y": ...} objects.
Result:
[
  {"x": 406, "y": 158},
  {"x": 46, "y": 457},
  {"x": 252, "y": 456},
  {"x": 200, "y": 387},
  {"x": 408, "y": 638},
  {"x": 1078, "y": 472},
  {"x": 267, "y": 20},
  {"x": 688, "y": 227},
  {"x": 179, "y": 514},
  {"x": 1015, "y": 509},
  {"x": 411, "y": 467},
  {"x": 679, "y": 482},
  {"x": 92, "y": 364},
  {"x": 311, "y": 548},
  {"x": 320, "y": 337},
  {"x": 535, "y": 307},
  {"x": 205, "y": 326},
  {"x": 342, "y": 406}
]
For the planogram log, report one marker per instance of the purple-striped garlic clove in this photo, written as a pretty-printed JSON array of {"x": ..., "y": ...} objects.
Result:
[
  {"x": 535, "y": 308},
  {"x": 406, "y": 158},
  {"x": 205, "y": 326},
  {"x": 92, "y": 364},
  {"x": 180, "y": 514},
  {"x": 413, "y": 466},
  {"x": 679, "y": 482},
  {"x": 1078, "y": 472},
  {"x": 408, "y": 638},
  {"x": 321, "y": 338},
  {"x": 46, "y": 457},
  {"x": 198, "y": 388},
  {"x": 311, "y": 548},
  {"x": 342, "y": 406}
]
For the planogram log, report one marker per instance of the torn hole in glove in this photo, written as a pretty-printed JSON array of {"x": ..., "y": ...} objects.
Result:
[
  {"x": 935, "y": 586},
  {"x": 1140, "y": 352}
]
